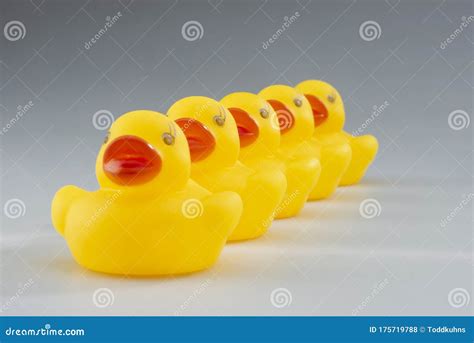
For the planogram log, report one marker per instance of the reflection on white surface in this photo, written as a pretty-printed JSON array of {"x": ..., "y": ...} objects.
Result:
[{"x": 330, "y": 261}]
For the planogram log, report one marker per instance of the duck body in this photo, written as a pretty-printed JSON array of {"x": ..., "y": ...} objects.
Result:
[
  {"x": 261, "y": 192},
  {"x": 214, "y": 144},
  {"x": 364, "y": 149},
  {"x": 117, "y": 232},
  {"x": 296, "y": 152},
  {"x": 335, "y": 158},
  {"x": 302, "y": 172},
  {"x": 166, "y": 225},
  {"x": 328, "y": 110},
  {"x": 259, "y": 144}
]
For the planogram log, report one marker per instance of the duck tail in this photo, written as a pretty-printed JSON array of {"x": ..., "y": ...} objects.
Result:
[
  {"x": 369, "y": 144},
  {"x": 60, "y": 205}
]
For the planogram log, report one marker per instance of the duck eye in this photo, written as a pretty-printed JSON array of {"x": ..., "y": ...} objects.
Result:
[
  {"x": 264, "y": 113},
  {"x": 298, "y": 102},
  {"x": 168, "y": 139},
  {"x": 219, "y": 120},
  {"x": 331, "y": 98},
  {"x": 106, "y": 139}
]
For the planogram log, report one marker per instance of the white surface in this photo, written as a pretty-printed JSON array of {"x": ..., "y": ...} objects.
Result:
[{"x": 329, "y": 258}]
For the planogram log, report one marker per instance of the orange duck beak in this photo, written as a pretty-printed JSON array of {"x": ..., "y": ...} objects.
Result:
[
  {"x": 320, "y": 112},
  {"x": 200, "y": 139},
  {"x": 246, "y": 125},
  {"x": 286, "y": 119},
  {"x": 130, "y": 160}
]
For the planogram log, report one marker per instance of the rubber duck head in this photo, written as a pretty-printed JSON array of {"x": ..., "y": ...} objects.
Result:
[
  {"x": 210, "y": 130},
  {"x": 144, "y": 151},
  {"x": 326, "y": 104},
  {"x": 257, "y": 124},
  {"x": 293, "y": 113}
]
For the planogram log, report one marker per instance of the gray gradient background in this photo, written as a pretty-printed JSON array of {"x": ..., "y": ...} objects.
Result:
[{"x": 329, "y": 258}]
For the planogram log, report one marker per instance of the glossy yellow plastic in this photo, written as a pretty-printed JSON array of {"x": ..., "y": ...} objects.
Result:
[
  {"x": 330, "y": 132},
  {"x": 164, "y": 224},
  {"x": 302, "y": 168},
  {"x": 261, "y": 154},
  {"x": 220, "y": 169}
]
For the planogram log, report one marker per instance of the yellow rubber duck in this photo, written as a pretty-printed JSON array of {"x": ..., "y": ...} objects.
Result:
[
  {"x": 148, "y": 217},
  {"x": 214, "y": 145},
  {"x": 328, "y": 107},
  {"x": 259, "y": 138},
  {"x": 302, "y": 168}
]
